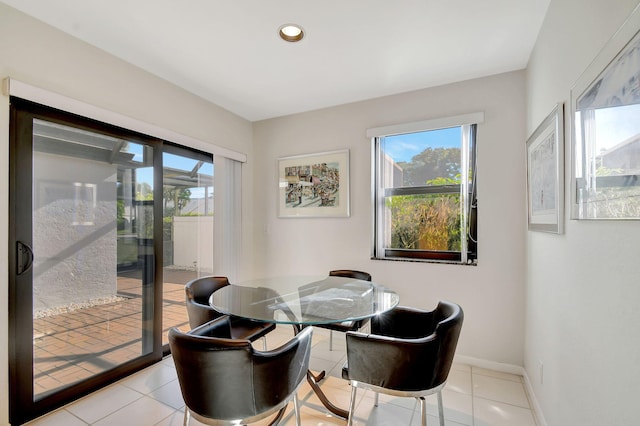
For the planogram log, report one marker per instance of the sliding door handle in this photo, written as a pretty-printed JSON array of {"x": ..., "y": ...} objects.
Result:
[{"x": 24, "y": 256}]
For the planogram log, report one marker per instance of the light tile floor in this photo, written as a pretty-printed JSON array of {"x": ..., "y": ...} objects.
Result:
[{"x": 472, "y": 397}]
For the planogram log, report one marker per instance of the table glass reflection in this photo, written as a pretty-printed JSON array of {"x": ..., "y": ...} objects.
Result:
[{"x": 304, "y": 300}]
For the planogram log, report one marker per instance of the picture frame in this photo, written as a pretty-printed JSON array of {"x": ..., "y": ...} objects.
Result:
[
  {"x": 314, "y": 185},
  {"x": 605, "y": 106},
  {"x": 545, "y": 174}
]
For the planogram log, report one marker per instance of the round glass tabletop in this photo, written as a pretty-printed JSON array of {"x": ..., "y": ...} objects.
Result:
[{"x": 304, "y": 300}]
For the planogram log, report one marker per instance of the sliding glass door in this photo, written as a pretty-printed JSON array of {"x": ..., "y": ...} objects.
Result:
[
  {"x": 187, "y": 223},
  {"x": 92, "y": 207},
  {"x": 97, "y": 214}
]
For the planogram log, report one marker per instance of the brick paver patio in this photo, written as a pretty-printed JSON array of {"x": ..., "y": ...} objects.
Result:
[{"x": 72, "y": 346}]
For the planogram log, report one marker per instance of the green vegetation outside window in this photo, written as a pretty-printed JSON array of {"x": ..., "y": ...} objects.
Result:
[{"x": 425, "y": 195}]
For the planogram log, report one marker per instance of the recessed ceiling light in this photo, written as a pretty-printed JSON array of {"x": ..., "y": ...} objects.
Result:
[{"x": 291, "y": 32}]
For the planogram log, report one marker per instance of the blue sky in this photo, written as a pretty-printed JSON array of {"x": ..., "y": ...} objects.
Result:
[
  {"x": 398, "y": 147},
  {"x": 171, "y": 161},
  {"x": 404, "y": 147},
  {"x": 615, "y": 125}
]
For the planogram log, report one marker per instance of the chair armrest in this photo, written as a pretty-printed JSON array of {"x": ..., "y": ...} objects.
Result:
[
  {"x": 345, "y": 325},
  {"x": 199, "y": 313},
  {"x": 219, "y": 327},
  {"x": 280, "y": 371},
  {"x": 303, "y": 338}
]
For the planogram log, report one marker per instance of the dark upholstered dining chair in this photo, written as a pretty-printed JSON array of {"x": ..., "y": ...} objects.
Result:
[
  {"x": 408, "y": 354},
  {"x": 226, "y": 381},
  {"x": 346, "y": 325},
  {"x": 197, "y": 293}
]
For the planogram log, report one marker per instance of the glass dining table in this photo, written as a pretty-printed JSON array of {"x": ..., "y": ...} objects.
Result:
[{"x": 303, "y": 301}]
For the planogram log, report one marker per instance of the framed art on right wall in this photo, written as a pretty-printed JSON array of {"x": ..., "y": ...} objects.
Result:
[
  {"x": 545, "y": 174},
  {"x": 605, "y": 114}
]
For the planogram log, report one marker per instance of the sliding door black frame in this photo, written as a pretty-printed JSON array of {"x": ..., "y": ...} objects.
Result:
[{"x": 22, "y": 406}]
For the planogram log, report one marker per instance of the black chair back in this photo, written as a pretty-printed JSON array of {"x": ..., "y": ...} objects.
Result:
[
  {"x": 197, "y": 293},
  {"x": 408, "y": 353},
  {"x": 351, "y": 273},
  {"x": 448, "y": 319},
  {"x": 346, "y": 325},
  {"x": 226, "y": 379},
  {"x": 418, "y": 351}
]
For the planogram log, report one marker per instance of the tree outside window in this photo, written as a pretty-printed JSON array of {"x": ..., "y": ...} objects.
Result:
[{"x": 425, "y": 195}]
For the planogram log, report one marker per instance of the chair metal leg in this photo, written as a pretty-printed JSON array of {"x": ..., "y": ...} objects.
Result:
[
  {"x": 375, "y": 400},
  {"x": 423, "y": 410},
  {"x": 352, "y": 405},
  {"x": 187, "y": 416},
  {"x": 264, "y": 343},
  {"x": 330, "y": 340},
  {"x": 296, "y": 409},
  {"x": 440, "y": 408},
  {"x": 276, "y": 420}
]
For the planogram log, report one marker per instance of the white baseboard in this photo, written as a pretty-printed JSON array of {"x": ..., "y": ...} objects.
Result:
[
  {"x": 490, "y": 365},
  {"x": 535, "y": 406},
  {"x": 511, "y": 369}
]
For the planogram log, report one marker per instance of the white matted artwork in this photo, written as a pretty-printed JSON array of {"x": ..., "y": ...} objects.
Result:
[
  {"x": 314, "y": 185},
  {"x": 545, "y": 176}
]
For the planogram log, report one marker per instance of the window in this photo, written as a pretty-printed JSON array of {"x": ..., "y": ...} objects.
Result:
[{"x": 424, "y": 190}]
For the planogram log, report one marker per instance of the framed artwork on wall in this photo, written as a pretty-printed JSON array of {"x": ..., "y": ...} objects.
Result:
[
  {"x": 314, "y": 185},
  {"x": 605, "y": 118},
  {"x": 545, "y": 174}
]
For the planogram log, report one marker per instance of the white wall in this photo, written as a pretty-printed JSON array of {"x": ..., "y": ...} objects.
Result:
[
  {"x": 583, "y": 287},
  {"x": 41, "y": 56},
  {"x": 192, "y": 242},
  {"x": 491, "y": 294}
]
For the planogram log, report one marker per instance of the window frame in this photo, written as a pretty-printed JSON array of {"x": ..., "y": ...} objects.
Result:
[{"x": 468, "y": 204}]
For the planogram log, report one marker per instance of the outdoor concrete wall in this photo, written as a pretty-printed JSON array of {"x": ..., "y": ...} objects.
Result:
[{"x": 74, "y": 235}]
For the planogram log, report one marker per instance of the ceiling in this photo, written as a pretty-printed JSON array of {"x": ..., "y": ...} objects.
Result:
[{"x": 229, "y": 52}]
